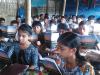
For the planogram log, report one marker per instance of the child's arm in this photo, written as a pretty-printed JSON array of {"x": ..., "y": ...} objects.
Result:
[
  {"x": 98, "y": 46},
  {"x": 34, "y": 56},
  {"x": 10, "y": 51}
]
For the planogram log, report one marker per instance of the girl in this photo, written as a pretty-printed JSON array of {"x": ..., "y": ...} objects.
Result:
[
  {"x": 71, "y": 62},
  {"x": 25, "y": 52}
]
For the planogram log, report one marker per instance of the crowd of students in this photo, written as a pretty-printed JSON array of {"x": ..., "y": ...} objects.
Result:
[{"x": 68, "y": 44}]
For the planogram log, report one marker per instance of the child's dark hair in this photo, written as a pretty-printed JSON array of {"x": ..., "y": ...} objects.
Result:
[
  {"x": 14, "y": 22},
  {"x": 41, "y": 15},
  {"x": 83, "y": 23},
  {"x": 46, "y": 17},
  {"x": 82, "y": 16},
  {"x": 91, "y": 17},
  {"x": 36, "y": 23},
  {"x": 26, "y": 28},
  {"x": 17, "y": 17},
  {"x": 78, "y": 16},
  {"x": 2, "y": 19},
  {"x": 62, "y": 26},
  {"x": 52, "y": 21},
  {"x": 69, "y": 18},
  {"x": 71, "y": 40},
  {"x": 63, "y": 17},
  {"x": 56, "y": 17},
  {"x": 35, "y": 17},
  {"x": 98, "y": 18}
]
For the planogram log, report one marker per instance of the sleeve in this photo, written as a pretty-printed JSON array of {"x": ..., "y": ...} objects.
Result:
[
  {"x": 35, "y": 57},
  {"x": 10, "y": 50},
  {"x": 89, "y": 70}
]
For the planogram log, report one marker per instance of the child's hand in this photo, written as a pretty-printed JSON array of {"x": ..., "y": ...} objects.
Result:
[
  {"x": 2, "y": 39},
  {"x": 14, "y": 39},
  {"x": 38, "y": 43}
]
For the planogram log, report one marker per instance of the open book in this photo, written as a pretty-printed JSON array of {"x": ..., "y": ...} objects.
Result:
[
  {"x": 8, "y": 31},
  {"x": 50, "y": 64}
]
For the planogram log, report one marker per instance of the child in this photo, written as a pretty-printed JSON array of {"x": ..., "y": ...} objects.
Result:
[
  {"x": 2, "y": 21},
  {"x": 62, "y": 28},
  {"x": 71, "y": 62},
  {"x": 98, "y": 20},
  {"x": 18, "y": 18},
  {"x": 15, "y": 24},
  {"x": 63, "y": 20},
  {"x": 25, "y": 52},
  {"x": 37, "y": 28},
  {"x": 84, "y": 30}
]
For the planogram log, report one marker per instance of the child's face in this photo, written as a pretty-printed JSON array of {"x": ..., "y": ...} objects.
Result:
[
  {"x": 37, "y": 29},
  {"x": 52, "y": 24},
  {"x": 45, "y": 20},
  {"x": 84, "y": 30},
  {"x": 19, "y": 20},
  {"x": 35, "y": 19},
  {"x": 61, "y": 31},
  {"x": 64, "y": 51},
  {"x": 15, "y": 25},
  {"x": 98, "y": 21},
  {"x": 55, "y": 19},
  {"x": 2, "y": 23},
  {"x": 23, "y": 37},
  {"x": 78, "y": 20},
  {"x": 91, "y": 22},
  {"x": 63, "y": 20}
]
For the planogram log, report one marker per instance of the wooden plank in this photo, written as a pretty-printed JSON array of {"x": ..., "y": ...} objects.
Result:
[{"x": 64, "y": 6}]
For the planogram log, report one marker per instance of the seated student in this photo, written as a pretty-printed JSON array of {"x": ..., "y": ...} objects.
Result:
[
  {"x": 52, "y": 23},
  {"x": 74, "y": 18},
  {"x": 37, "y": 28},
  {"x": 63, "y": 20},
  {"x": 46, "y": 21},
  {"x": 15, "y": 24},
  {"x": 98, "y": 20},
  {"x": 25, "y": 52},
  {"x": 35, "y": 18},
  {"x": 62, "y": 28},
  {"x": 41, "y": 17},
  {"x": 18, "y": 18},
  {"x": 56, "y": 19},
  {"x": 83, "y": 17},
  {"x": 2, "y": 21},
  {"x": 84, "y": 30},
  {"x": 2, "y": 45},
  {"x": 71, "y": 62}
]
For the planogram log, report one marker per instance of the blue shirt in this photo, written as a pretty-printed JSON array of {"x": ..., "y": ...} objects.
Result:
[
  {"x": 31, "y": 54},
  {"x": 3, "y": 46}
]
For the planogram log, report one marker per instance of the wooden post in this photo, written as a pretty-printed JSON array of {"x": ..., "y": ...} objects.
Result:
[
  {"x": 55, "y": 7},
  {"x": 28, "y": 12},
  {"x": 77, "y": 7},
  {"x": 64, "y": 6},
  {"x": 18, "y": 3},
  {"x": 47, "y": 11}
]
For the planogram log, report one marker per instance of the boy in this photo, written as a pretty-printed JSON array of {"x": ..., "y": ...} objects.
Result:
[
  {"x": 37, "y": 28},
  {"x": 18, "y": 18},
  {"x": 63, "y": 20},
  {"x": 2, "y": 21},
  {"x": 62, "y": 28},
  {"x": 41, "y": 17},
  {"x": 15, "y": 24},
  {"x": 84, "y": 30},
  {"x": 98, "y": 20}
]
